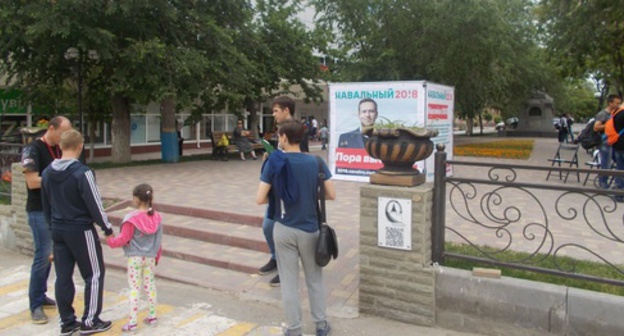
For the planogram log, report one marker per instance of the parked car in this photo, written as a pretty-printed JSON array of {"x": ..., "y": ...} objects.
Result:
[{"x": 510, "y": 123}]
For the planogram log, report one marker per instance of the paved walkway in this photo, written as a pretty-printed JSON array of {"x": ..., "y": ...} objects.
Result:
[
  {"x": 182, "y": 310},
  {"x": 535, "y": 220},
  {"x": 231, "y": 186}
]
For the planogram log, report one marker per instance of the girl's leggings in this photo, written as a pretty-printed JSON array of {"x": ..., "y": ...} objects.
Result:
[{"x": 141, "y": 273}]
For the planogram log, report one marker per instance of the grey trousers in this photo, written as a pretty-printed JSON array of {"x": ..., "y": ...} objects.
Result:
[{"x": 291, "y": 245}]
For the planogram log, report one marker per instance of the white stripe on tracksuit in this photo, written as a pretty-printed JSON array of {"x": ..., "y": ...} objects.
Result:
[
  {"x": 95, "y": 283},
  {"x": 96, "y": 196}
]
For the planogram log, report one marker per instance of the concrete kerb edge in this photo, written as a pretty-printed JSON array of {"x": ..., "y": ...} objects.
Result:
[
  {"x": 119, "y": 205},
  {"x": 510, "y": 306}
]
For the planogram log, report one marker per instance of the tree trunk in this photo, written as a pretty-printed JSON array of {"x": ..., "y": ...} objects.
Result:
[
  {"x": 120, "y": 130},
  {"x": 481, "y": 122},
  {"x": 169, "y": 145},
  {"x": 167, "y": 115},
  {"x": 250, "y": 106},
  {"x": 469, "y": 125},
  {"x": 91, "y": 141}
]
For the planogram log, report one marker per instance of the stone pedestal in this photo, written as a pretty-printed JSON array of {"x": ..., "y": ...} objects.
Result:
[
  {"x": 397, "y": 284},
  {"x": 397, "y": 180},
  {"x": 19, "y": 194}
]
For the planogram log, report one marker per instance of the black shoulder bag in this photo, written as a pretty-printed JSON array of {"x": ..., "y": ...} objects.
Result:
[{"x": 327, "y": 244}]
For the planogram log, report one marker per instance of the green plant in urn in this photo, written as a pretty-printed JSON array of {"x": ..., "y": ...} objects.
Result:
[
  {"x": 31, "y": 133},
  {"x": 398, "y": 147}
]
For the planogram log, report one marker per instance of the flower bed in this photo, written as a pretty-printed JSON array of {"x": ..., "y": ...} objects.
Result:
[{"x": 504, "y": 149}]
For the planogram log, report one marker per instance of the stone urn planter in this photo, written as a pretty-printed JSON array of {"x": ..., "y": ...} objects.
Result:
[
  {"x": 31, "y": 133},
  {"x": 399, "y": 148}
]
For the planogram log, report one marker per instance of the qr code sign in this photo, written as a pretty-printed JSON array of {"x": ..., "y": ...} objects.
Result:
[{"x": 394, "y": 236}]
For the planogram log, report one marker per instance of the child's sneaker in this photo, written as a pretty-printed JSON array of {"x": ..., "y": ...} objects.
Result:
[
  {"x": 150, "y": 320},
  {"x": 129, "y": 327}
]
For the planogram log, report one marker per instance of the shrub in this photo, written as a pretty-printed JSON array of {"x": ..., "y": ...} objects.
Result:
[{"x": 505, "y": 149}]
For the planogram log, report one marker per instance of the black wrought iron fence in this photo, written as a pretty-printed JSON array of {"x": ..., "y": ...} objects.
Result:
[
  {"x": 499, "y": 208},
  {"x": 9, "y": 153}
]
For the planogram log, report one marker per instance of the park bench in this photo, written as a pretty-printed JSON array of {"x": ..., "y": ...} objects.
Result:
[{"x": 221, "y": 153}]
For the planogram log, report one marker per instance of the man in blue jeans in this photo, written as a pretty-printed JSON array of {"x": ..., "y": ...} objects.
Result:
[
  {"x": 618, "y": 149},
  {"x": 271, "y": 266},
  {"x": 35, "y": 158},
  {"x": 283, "y": 109},
  {"x": 606, "y": 152}
]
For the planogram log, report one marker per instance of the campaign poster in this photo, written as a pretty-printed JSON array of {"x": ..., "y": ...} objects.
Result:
[
  {"x": 440, "y": 116},
  {"x": 353, "y": 106}
]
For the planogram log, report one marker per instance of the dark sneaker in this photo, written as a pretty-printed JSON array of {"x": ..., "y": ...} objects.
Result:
[
  {"x": 70, "y": 329},
  {"x": 38, "y": 316},
  {"x": 99, "y": 326},
  {"x": 275, "y": 282},
  {"x": 325, "y": 331},
  {"x": 287, "y": 332},
  {"x": 268, "y": 268},
  {"x": 47, "y": 302}
]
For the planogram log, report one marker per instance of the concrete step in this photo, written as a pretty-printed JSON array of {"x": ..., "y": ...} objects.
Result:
[
  {"x": 202, "y": 250},
  {"x": 224, "y": 256},
  {"x": 195, "y": 212},
  {"x": 190, "y": 272},
  {"x": 208, "y": 230}
]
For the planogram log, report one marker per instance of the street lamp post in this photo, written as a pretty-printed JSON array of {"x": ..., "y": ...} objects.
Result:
[{"x": 75, "y": 54}]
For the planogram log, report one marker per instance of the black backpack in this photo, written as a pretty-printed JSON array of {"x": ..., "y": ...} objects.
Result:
[{"x": 588, "y": 138}]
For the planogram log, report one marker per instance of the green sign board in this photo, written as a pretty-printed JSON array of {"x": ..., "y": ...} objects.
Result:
[{"x": 11, "y": 102}]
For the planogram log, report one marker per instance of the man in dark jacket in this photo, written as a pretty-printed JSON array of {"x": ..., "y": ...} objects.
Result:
[
  {"x": 367, "y": 113},
  {"x": 71, "y": 204}
]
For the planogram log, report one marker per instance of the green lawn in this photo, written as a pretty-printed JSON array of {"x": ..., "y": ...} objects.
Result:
[{"x": 579, "y": 266}]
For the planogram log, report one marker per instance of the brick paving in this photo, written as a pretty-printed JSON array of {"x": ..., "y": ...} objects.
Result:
[
  {"x": 546, "y": 219},
  {"x": 230, "y": 187}
]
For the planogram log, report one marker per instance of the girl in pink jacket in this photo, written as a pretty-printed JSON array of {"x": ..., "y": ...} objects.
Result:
[{"x": 141, "y": 238}]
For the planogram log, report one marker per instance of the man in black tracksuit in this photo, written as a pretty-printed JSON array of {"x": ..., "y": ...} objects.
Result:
[{"x": 71, "y": 204}]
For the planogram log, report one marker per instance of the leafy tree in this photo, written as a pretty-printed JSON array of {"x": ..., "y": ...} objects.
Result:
[
  {"x": 279, "y": 58},
  {"x": 160, "y": 50},
  {"x": 207, "y": 55},
  {"x": 488, "y": 53},
  {"x": 585, "y": 37},
  {"x": 487, "y": 116},
  {"x": 577, "y": 98}
]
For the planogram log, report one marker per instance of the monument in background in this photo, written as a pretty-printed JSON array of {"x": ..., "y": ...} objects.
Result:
[{"x": 537, "y": 119}]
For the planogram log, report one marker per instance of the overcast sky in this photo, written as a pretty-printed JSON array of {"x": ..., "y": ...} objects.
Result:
[{"x": 307, "y": 16}]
